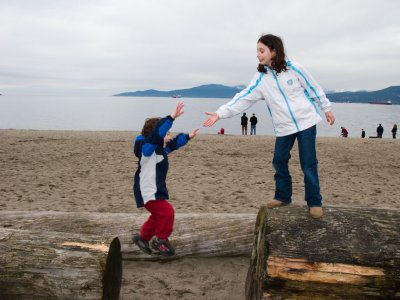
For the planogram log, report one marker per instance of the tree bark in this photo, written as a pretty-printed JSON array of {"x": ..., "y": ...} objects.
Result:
[
  {"x": 107, "y": 224},
  {"x": 202, "y": 235},
  {"x": 51, "y": 265},
  {"x": 351, "y": 253},
  {"x": 195, "y": 234}
]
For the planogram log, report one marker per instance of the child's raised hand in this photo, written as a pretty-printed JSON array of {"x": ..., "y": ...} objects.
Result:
[
  {"x": 178, "y": 110},
  {"x": 212, "y": 118},
  {"x": 193, "y": 133}
]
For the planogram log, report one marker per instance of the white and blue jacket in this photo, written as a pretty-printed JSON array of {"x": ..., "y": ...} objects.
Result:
[
  {"x": 292, "y": 98},
  {"x": 150, "y": 177}
]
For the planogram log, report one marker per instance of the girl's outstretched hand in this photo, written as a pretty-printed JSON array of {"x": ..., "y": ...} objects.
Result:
[
  {"x": 212, "y": 118},
  {"x": 178, "y": 110},
  {"x": 193, "y": 133},
  {"x": 330, "y": 118}
]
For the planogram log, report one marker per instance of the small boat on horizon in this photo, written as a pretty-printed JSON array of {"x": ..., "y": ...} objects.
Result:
[
  {"x": 382, "y": 102},
  {"x": 176, "y": 96}
]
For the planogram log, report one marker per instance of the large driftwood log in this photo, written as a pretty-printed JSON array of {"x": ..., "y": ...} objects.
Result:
[
  {"x": 54, "y": 265},
  {"x": 195, "y": 234},
  {"x": 58, "y": 259},
  {"x": 351, "y": 253}
]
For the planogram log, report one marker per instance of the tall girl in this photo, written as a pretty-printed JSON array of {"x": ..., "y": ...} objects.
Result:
[{"x": 294, "y": 100}]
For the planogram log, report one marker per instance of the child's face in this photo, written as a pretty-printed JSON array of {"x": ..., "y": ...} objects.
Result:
[
  {"x": 167, "y": 138},
  {"x": 264, "y": 54}
]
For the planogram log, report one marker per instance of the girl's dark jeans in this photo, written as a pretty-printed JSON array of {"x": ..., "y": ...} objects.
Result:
[{"x": 308, "y": 161}]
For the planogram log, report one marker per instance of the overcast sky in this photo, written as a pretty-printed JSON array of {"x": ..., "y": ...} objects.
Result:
[{"x": 106, "y": 47}]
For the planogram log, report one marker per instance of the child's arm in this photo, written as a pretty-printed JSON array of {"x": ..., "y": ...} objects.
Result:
[
  {"x": 146, "y": 145},
  {"x": 180, "y": 140},
  {"x": 156, "y": 137}
]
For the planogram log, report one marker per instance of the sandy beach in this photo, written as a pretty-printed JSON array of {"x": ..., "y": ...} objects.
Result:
[{"x": 78, "y": 171}]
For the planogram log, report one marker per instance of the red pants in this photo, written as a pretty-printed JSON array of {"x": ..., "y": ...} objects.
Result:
[{"x": 161, "y": 221}]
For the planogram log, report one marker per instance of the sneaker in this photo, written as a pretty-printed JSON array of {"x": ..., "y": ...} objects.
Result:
[
  {"x": 276, "y": 203},
  {"x": 316, "y": 212},
  {"x": 163, "y": 247},
  {"x": 141, "y": 243}
]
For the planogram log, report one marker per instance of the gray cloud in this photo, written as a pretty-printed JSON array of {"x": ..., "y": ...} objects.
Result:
[{"x": 105, "y": 47}]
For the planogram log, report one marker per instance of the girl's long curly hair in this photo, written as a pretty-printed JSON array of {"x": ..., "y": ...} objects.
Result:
[
  {"x": 149, "y": 125},
  {"x": 274, "y": 43}
]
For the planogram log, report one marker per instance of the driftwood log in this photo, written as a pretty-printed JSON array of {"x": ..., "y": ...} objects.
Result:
[
  {"x": 195, "y": 234},
  {"x": 351, "y": 253},
  {"x": 203, "y": 235},
  {"x": 107, "y": 224},
  {"x": 60, "y": 255},
  {"x": 54, "y": 265}
]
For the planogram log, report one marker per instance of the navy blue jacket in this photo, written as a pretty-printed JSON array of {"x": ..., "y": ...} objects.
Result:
[{"x": 151, "y": 174}]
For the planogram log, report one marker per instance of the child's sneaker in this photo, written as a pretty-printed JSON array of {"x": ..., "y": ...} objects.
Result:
[
  {"x": 163, "y": 247},
  {"x": 141, "y": 243}
]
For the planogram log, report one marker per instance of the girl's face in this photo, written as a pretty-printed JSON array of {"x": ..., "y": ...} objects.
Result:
[
  {"x": 264, "y": 54},
  {"x": 167, "y": 138}
]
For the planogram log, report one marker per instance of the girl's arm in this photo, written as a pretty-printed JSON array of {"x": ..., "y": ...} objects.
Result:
[
  {"x": 312, "y": 87},
  {"x": 314, "y": 90},
  {"x": 240, "y": 102}
]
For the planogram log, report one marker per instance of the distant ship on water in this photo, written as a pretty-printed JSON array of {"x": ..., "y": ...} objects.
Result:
[
  {"x": 177, "y": 96},
  {"x": 382, "y": 103}
]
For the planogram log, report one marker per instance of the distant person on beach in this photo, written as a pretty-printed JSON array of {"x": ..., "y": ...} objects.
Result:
[
  {"x": 362, "y": 133},
  {"x": 253, "y": 123},
  {"x": 379, "y": 131},
  {"x": 150, "y": 189},
  {"x": 221, "y": 131},
  {"x": 244, "y": 121},
  {"x": 394, "y": 131},
  {"x": 291, "y": 95},
  {"x": 344, "y": 132}
]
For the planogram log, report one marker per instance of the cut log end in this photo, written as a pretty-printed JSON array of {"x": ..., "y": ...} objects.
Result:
[
  {"x": 113, "y": 272},
  {"x": 50, "y": 265}
]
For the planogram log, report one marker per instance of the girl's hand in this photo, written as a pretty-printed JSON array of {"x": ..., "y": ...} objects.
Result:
[
  {"x": 193, "y": 133},
  {"x": 212, "y": 118},
  {"x": 178, "y": 110},
  {"x": 330, "y": 117}
]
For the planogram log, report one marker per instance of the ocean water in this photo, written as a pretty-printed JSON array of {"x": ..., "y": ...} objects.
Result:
[{"x": 129, "y": 113}]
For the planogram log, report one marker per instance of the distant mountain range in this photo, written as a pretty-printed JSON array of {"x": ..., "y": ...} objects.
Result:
[
  {"x": 203, "y": 91},
  {"x": 388, "y": 94},
  {"x": 221, "y": 91}
]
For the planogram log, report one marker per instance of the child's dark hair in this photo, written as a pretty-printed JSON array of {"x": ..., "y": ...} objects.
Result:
[
  {"x": 274, "y": 43},
  {"x": 149, "y": 125}
]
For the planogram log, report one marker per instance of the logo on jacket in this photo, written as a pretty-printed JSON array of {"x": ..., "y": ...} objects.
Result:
[{"x": 290, "y": 82}]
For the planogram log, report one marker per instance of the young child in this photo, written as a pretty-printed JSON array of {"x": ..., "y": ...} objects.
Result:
[
  {"x": 292, "y": 97},
  {"x": 150, "y": 190}
]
